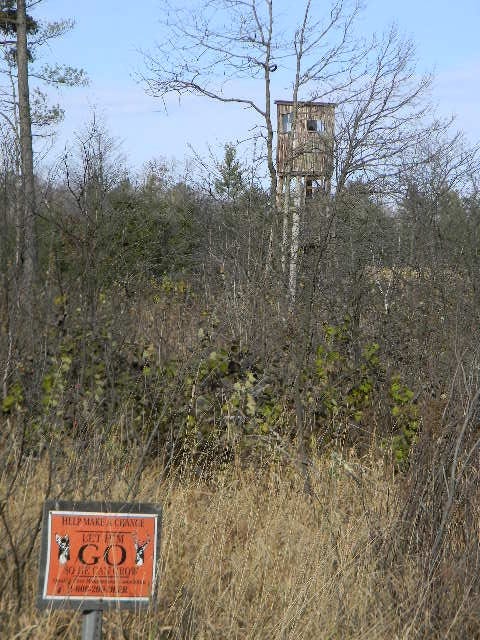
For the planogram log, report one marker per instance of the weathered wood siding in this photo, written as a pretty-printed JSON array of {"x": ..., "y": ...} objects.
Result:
[{"x": 301, "y": 152}]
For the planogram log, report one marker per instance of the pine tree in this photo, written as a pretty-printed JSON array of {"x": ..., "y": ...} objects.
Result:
[{"x": 230, "y": 184}]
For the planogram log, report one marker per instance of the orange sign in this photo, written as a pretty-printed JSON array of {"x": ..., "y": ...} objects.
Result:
[{"x": 94, "y": 555}]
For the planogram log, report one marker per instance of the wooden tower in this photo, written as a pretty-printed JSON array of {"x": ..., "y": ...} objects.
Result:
[{"x": 304, "y": 148}]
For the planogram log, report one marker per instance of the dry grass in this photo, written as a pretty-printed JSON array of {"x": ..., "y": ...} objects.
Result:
[{"x": 245, "y": 554}]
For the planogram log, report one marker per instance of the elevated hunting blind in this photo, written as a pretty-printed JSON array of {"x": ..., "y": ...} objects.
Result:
[{"x": 305, "y": 147}]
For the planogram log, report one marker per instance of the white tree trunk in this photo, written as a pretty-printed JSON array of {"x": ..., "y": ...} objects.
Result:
[
  {"x": 295, "y": 240},
  {"x": 286, "y": 221}
]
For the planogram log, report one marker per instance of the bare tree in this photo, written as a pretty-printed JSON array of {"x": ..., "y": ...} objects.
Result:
[
  {"x": 203, "y": 51},
  {"x": 383, "y": 113},
  {"x": 320, "y": 49},
  {"x": 382, "y": 103}
]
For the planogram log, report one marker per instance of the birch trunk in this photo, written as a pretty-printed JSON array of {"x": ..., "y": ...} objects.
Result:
[
  {"x": 286, "y": 221},
  {"x": 294, "y": 243}
]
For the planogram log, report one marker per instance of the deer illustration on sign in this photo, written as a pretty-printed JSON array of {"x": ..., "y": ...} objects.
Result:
[
  {"x": 63, "y": 543},
  {"x": 140, "y": 550}
]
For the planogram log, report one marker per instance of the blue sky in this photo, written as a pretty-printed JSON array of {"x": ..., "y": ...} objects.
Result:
[{"x": 109, "y": 35}]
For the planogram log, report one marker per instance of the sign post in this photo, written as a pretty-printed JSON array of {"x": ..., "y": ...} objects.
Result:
[
  {"x": 92, "y": 625},
  {"x": 97, "y": 556}
]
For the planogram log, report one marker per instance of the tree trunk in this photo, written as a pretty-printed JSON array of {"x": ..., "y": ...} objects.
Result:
[
  {"x": 295, "y": 242},
  {"x": 28, "y": 223},
  {"x": 286, "y": 222}
]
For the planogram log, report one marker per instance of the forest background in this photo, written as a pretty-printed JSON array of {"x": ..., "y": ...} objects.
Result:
[{"x": 314, "y": 438}]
